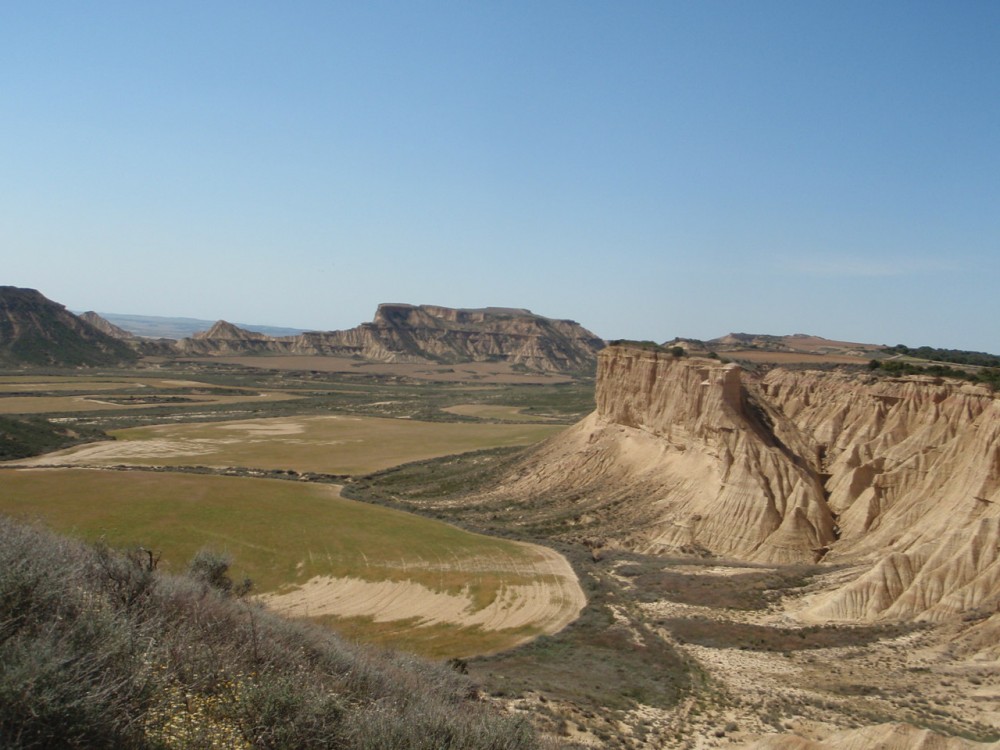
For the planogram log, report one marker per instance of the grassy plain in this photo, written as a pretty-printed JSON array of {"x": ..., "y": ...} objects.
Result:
[
  {"x": 496, "y": 411},
  {"x": 282, "y": 534},
  {"x": 59, "y": 394},
  {"x": 484, "y": 372},
  {"x": 336, "y": 444}
]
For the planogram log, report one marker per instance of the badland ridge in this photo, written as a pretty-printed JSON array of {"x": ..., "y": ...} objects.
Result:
[
  {"x": 37, "y": 331},
  {"x": 894, "y": 478}
]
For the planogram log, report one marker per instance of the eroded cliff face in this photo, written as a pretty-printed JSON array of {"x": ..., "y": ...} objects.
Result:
[
  {"x": 913, "y": 471},
  {"x": 678, "y": 456},
  {"x": 898, "y": 477},
  {"x": 409, "y": 333}
]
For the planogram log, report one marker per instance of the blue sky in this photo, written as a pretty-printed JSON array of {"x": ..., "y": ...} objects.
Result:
[{"x": 650, "y": 169}]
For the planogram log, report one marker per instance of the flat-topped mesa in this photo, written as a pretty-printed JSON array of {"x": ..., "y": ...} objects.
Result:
[
  {"x": 395, "y": 313},
  {"x": 657, "y": 392},
  {"x": 426, "y": 334},
  {"x": 510, "y": 335}
]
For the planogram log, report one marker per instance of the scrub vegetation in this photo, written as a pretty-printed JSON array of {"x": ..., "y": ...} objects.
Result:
[{"x": 100, "y": 649}]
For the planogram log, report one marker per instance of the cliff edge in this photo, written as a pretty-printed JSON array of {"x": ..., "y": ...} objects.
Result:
[{"x": 898, "y": 477}]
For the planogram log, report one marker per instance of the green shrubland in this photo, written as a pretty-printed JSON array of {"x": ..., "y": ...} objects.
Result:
[
  {"x": 21, "y": 437},
  {"x": 989, "y": 376}
]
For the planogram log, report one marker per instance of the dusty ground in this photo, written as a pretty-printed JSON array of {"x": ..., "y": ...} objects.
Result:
[{"x": 916, "y": 676}]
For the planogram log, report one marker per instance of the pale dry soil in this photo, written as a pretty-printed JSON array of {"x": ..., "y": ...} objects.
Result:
[
  {"x": 548, "y": 600},
  {"x": 916, "y": 678}
]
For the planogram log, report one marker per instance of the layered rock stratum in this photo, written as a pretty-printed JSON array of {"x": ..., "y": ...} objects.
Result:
[
  {"x": 899, "y": 479},
  {"x": 425, "y": 334}
]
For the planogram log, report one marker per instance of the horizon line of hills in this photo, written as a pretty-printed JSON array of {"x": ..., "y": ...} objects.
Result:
[{"x": 37, "y": 331}]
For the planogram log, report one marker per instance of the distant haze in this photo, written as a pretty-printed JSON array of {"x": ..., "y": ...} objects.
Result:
[{"x": 178, "y": 328}]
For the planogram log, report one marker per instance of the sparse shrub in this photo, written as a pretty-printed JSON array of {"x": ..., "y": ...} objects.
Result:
[
  {"x": 212, "y": 569},
  {"x": 98, "y": 650}
]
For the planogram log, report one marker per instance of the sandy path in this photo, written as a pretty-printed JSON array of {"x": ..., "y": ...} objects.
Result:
[{"x": 551, "y": 600}]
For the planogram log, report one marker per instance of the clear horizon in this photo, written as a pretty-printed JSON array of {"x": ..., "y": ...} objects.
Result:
[{"x": 648, "y": 169}]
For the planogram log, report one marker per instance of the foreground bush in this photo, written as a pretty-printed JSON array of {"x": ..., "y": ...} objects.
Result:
[{"x": 99, "y": 650}]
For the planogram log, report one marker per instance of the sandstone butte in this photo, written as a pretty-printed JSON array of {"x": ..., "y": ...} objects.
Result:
[
  {"x": 897, "y": 479},
  {"x": 403, "y": 333}
]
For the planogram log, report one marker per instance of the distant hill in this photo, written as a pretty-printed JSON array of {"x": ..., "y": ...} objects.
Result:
[
  {"x": 796, "y": 342},
  {"x": 425, "y": 333},
  {"x": 107, "y": 326},
  {"x": 767, "y": 349},
  {"x": 156, "y": 327},
  {"x": 35, "y": 331}
]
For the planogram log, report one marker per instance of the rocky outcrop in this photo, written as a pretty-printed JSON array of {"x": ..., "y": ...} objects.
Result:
[
  {"x": 912, "y": 471},
  {"x": 426, "y": 333},
  {"x": 686, "y": 460},
  {"x": 898, "y": 476},
  {"x": 224, "y": 338},
  {"x": 106, "y": 326},
  {"x": 35, "y": 331}
]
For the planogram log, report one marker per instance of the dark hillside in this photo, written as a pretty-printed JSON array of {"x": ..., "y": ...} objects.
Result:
[
  {"x": 37, "y": 332},
  {"x": 21, "y": 437}
]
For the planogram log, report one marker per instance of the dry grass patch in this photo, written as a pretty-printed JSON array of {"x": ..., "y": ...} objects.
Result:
[
  {"x": 329, "y": 444},
  {"x": 482, "y": 372},
  {"x": 42, "y": 395},
  {"x": 494, "y": 411},
  {"x": 106, "y": 402}
]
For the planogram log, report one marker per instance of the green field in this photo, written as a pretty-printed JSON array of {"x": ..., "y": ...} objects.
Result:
[
  {"x": 331, "y": 445},
  {"x": 495, "y": 411},
  {"x": 280, "y": 534},
  {"x": 60, "y": 394},
  {"x": 288, "y": 536}
]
